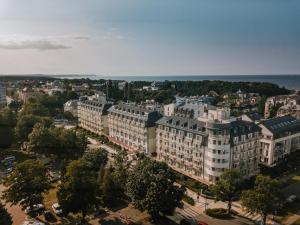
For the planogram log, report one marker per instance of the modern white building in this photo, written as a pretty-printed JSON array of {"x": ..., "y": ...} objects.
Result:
[
  {"x": 186, "y": 107},
  {"x": 204, "y": 149},
  {"x": 133, "y": 127},
  {"x": 2, "y": 94},
  {"x": 280, "y": 137}
]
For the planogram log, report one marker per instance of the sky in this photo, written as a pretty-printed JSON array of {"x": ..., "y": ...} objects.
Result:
[{"x": 150, "y": 37}]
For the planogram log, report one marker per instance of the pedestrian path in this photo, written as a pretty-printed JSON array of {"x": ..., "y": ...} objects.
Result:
[
  {"x": 201, "y": 201},
  {"x": 189, "y": 212}
]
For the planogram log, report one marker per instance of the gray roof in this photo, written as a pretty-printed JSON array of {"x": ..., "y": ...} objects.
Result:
[
  {"x": 282, "y": 124},
  {"x": 187, "y": 124},
  {"x": 104, "y": 106},
  {"x": 241, "y": 127},
  {"x": 255, "y": 116},
  {"x": 138, "y": 111}
]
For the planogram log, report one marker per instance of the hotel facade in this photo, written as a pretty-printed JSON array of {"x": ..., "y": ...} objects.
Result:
[
  {"x": 92, "y": 115},
  {"x": 204, "y": 149},
  {"x": 133, "y": 127},
  {"x": 2, "y": 94}
]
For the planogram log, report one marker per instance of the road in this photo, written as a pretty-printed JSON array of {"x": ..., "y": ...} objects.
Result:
[
  {"x": 193, "y": 214},
  {"x": 16, "y": 212}
]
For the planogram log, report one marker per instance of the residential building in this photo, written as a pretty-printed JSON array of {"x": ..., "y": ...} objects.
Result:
[
  {"x": 277, "y": 100},
  {"x": 72, "y": 107},
  {"x": 133, "y": 127},
  {"x": 204, "y": 149},
  {"x": 280, "y": 137},
  {"x": 254, "y": 117},
  {"x": 92, "y": 114},
  {"x": 2, "y": 94},
  {"x": 192, "y": 107}
]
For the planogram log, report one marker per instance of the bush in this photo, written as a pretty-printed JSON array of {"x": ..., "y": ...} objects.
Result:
[
  {"x": 184, "y": 222},
  {"x": 219, "y": 213},
  {"x": 188, "y": 200}
]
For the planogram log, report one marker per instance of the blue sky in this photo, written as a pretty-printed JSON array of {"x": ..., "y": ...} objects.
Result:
[{"x": 150, "y": 37}]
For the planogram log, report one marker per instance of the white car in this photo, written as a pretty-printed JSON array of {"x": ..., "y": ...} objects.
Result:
[
  {"x": 35, "y": 208},
  {"x": 31, "y": 222},
  {"x": 291, "y": 199},
  {"x": 57, "y": 209}
]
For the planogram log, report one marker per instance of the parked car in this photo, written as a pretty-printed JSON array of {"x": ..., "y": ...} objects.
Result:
[
  {"x": 48, "y": 215},
  {"x": 32, "y": 222},
  {"x": 9, "y": 169},
  {"x": 36, "y": 208},
  {"x": 57, "y": 209},
  {"x": 291, "y": 199}
]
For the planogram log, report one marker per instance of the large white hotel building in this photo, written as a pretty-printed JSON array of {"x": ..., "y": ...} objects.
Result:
[{"x": 204, "y": 149}]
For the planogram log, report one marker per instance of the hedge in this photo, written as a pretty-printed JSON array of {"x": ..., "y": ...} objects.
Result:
[
  {"x": 188, "y": 199},
  {"x": 219, "y": 213}
]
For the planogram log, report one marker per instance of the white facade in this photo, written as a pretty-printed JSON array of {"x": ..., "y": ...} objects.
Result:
[
  {"x": 72, "y": 107},
  {"x": 2, "y": 94},
  {"x": 280, "y": 137},
  {"x": 203, "y": 150},
  {"x": 92, "y": 116},
  {"x": 133, "y": 127}
]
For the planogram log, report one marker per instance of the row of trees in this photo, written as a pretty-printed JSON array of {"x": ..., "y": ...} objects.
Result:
[
  {"x": 265, "y": 198},
  {"x": 7, "y": 124},
  {"x": 16, "y": 125},
  {"x": 88, "y": 182},
  {"x": 57, "y": 142},
  {"x": 5, "y": 217}
]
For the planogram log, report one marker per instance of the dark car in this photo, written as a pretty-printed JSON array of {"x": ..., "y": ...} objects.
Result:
[{"x": 48, "y": 215}]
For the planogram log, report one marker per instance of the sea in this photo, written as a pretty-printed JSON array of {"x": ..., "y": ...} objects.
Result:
[{"x": 287, "y": 81}]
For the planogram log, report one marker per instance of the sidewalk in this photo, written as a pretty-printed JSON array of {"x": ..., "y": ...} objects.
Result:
[{"x": 200, "y": 203}]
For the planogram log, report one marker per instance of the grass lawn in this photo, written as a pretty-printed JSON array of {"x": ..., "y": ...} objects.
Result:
[
  {"x": 50, "y": 197},
  {"x": 297, "y": 222}
]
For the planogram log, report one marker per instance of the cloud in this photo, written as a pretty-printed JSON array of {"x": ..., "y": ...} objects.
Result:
[
  {"x": 32, "y": 44},
  {"x": 81, "y": 37},
  {"x": 114, "y": 34}
]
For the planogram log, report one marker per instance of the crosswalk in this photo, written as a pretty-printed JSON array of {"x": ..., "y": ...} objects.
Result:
[
  {"x": 189, "y": 212},
  {"x": 249, "y": 215}
]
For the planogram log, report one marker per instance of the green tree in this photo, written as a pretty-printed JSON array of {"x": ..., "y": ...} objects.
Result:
[
  {"x": 109, "y": 190},
  {"x": 227, "y": 187},
  {"x": 274, "y": 109},
  {"x": 7, "y": 123},
  {"x": 265, "y": 198},
  {"x": 151, "y": 187},
  {"x": 25, "y": 124},
  {"x": 121, "y": 167},
  {"x": 58, "y": 142},
  {"x": 27, "y": 184},
  {"x": 77, "y": 191},
  {"x": 96, "y": 158},
  {"x": 34, "y": 107},
  {"x": 261, "y": 105},
  {"x": 41, "y": 140},
  {"x": 5, "y": 217}
]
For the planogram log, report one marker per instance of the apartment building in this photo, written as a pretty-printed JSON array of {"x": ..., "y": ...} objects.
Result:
[
  {"x": 204, "y": 149},
  {"x": 280, "y": 137},
  {"x": 92, "y": 115},
  {"x": 2, "y": 94},
  {"x": 72, "y": 107},
  {"x": 133, "y": 127}
]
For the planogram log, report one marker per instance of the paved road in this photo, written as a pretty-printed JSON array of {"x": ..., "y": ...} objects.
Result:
[
  {"x": 193, "y": 214},
  {"x": 17, "y": 214}
]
